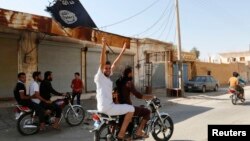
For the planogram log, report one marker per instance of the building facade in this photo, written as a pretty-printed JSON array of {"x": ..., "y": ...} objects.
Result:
[{"x": 233, "y": 57}]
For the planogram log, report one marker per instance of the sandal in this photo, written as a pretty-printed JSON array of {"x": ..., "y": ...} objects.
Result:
[{"x": 126, "y": 138}]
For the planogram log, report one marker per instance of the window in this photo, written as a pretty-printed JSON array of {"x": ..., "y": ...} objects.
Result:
[{"x": 242, "y": 58}]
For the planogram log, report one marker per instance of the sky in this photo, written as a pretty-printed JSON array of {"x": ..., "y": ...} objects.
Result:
[{"x": 212, "y": 26}]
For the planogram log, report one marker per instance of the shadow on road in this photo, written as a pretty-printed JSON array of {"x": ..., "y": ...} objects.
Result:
[
  {"x": 243, "y": 104},
  {"x": 207, "y": 97},
  {"x": 187, "y": 111}
]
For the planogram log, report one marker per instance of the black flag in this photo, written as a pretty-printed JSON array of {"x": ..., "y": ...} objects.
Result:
[{"x": 70, "y": 13}]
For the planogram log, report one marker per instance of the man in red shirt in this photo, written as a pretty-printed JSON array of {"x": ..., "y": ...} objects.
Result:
[{"x": 77, "y": 87}]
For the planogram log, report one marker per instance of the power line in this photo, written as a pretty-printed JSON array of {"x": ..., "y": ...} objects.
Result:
[
  {"x": 163, "y": 13},
  {"x": 166, "y": 23},
  {"x": 128, "y": 18},
  {"x": 170, "y": 27},
  {"x": 163, "y": 25}
]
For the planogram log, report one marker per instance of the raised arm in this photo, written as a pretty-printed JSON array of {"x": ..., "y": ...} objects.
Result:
[
  {"x": 119, "y": 57},
  {"x": 103, "y": 54}
]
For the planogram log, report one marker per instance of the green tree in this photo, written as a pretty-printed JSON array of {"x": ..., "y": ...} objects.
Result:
[{"x": 196, "y": 51}]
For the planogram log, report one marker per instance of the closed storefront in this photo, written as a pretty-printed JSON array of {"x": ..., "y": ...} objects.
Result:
[
  {"x": 92, "y": 64},
  {"x": 158, "y": 75},
  {"x": 63, "y": 60},
  {"x": 8, "y": 65}
]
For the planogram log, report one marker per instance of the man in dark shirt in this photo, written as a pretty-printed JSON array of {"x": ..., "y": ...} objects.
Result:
[
  {"x": 25, "y": 100},
  {"x": 46, "y": 90},
  {"x": 125, "y": 86}
]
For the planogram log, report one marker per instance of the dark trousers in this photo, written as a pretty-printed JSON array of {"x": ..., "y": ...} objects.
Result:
[
  {"x": 240, "y": 89},
  {"x": 78, "y": 96},
  {"x": 34, "y": 106},
  {"x": 53, "y": 107},
  {"x": 141, "y": 112}
]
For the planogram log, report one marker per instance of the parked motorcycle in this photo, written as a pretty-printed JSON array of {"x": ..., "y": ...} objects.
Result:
[
  {"x": 160, "y": 124},
  {"x": 28, "y": 122}
]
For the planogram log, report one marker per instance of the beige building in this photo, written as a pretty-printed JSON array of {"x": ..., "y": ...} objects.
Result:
[
  {"x": 233, "y": 57},
  {"x": 29, "y": 43},
  {"x": 238, "y": 58}
]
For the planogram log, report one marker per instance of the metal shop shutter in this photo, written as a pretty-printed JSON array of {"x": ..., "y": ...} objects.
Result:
[
  {"x": 63, "y": 61},
  {"x": 158, "y": 75},
  {"x": 8, "y": 66},
  {"x": 92, "y": 65}
]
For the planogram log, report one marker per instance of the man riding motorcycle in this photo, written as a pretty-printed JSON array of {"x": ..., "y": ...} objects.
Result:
[
  {"x": 24, "y": 99},
  {"x": 46, "y": 90},
  {"x": 125, "y": 86},
  {"x": 234, "y": 83}
]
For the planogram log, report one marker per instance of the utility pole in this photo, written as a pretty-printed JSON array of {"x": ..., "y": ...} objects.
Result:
[{"x": 179, "y": 56}]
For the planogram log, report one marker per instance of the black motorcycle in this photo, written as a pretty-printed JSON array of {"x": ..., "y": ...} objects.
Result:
[{"x": 160, "y": 124}]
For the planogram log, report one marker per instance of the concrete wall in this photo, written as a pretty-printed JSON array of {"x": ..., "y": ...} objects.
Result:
[
  {"x": 221, "y": 72},
  {"x": 27, "y": 55}
]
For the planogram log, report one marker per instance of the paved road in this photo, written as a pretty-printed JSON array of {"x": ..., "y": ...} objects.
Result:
[{"x": 191, "y": 116}]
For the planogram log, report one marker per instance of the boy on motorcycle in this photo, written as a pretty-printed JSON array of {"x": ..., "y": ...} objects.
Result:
[
  {"x": 240, "y": 86},
  {"x": 235, "y": 84}
]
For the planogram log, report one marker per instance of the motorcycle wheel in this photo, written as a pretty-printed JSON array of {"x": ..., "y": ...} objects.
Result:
[
  {"x": 105, "y": 133},
  {"x": 161, "y": 134},
  {"x": 27, "y": 124},
  {"x": 234, "y": 99},
  {"x": 75, "y": 117},
  {"x": 242, "y": 100}
]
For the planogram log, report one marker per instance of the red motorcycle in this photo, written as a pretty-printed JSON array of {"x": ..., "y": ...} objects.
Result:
[
  {"x": 28, "y": 122},
  {"x": 235, "y": 96}
]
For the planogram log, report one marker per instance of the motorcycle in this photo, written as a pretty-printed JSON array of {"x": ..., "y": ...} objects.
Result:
[
  {"x": 28, "y": 122},
  {"x": 107, "y": 127},
  {"x": 235, "y": 96}
]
